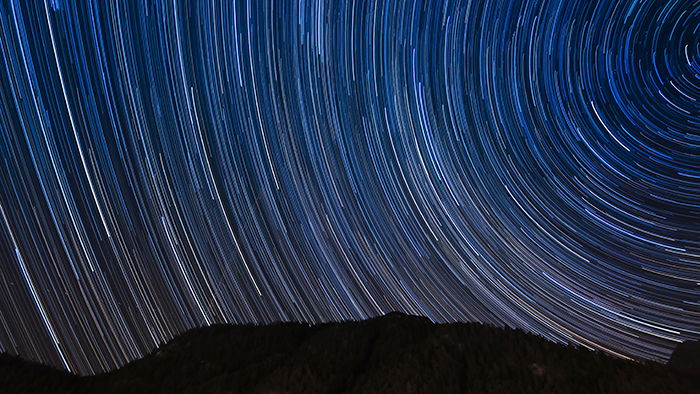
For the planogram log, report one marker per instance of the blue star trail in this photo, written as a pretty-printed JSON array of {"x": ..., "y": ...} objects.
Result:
[{"x": 167, "y": 164}]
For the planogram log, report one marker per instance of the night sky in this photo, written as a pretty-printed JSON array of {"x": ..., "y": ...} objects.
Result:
[{"x": 167, "y": 165}]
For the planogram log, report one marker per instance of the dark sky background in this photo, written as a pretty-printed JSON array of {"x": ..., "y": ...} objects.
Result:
[{"x": 166, "y": 165}]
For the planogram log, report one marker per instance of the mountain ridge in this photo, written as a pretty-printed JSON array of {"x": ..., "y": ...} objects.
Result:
[{"x": 390, "y": 353}]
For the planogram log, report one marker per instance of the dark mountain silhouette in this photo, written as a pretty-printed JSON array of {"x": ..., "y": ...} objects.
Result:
[
  {"x": 391, "y": 354},
  {"x": 686, "y": 358}
]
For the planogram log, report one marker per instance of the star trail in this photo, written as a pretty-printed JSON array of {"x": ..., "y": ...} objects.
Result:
[{"x": 170, "y": 164}]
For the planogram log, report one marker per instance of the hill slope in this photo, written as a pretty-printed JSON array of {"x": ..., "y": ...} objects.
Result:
[{"x": 394, "y": 353}]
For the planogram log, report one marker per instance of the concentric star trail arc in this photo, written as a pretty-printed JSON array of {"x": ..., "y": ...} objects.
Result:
[{"x": 171, "y": 164}]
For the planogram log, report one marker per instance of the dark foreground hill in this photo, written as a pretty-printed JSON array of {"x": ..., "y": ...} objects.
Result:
[{"x": 391, "y": 354}]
